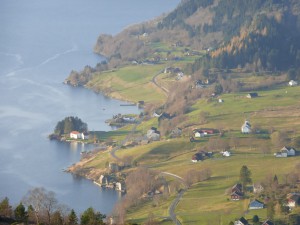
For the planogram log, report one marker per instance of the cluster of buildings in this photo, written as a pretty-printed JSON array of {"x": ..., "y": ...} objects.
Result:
[
  {"x": 108, "y": 181},
  {"x": 177, "y": 71},
  {"x": 285, "y": 152},
  {"x": 243, "y": 221},
  {"x": 292, "y": 200}
]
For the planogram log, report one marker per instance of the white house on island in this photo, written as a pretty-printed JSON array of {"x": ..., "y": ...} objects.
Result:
[{"x": 77, "y": 135}]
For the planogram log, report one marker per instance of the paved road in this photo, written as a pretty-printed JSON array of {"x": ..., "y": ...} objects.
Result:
[
  {"x": 173, "y": 205},
  {"x": 154, "y": 81},
  {"x": 113, "y": 151},
  {"x": 177, "y": 199}
]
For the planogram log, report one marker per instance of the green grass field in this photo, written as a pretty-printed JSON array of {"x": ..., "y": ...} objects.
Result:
[
  {"x": 205, "y": 202},
  {"x": 131, "y": 83}
]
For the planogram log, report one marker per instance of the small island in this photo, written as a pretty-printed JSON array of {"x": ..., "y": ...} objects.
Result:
[{"x": 69, "y": 129}]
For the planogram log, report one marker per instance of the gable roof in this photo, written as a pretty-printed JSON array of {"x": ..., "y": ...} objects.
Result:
[
  {"x": 243, "y": 220},
  {"x": 255, "y": 204},
  {"x": 268, "y": 222},
  {"x": 286, "y": 148},
  {"x": 294, "y": 197},
  {"x": 237, "y": 186}
]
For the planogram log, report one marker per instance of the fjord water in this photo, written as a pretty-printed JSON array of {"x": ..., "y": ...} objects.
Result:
[{"x": 40, "y": 43}]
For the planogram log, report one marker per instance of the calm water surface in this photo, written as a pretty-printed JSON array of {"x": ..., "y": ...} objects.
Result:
[{"x": 40, "y": 43}]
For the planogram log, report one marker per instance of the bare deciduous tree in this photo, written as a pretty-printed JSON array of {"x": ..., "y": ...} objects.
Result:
[{"x": 43, "y": 203}]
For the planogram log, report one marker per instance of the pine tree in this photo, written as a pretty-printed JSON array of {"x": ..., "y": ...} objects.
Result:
[
  {"x": 245, "y": 176},
  {"x": 57, "y": 219},
  {"x": 72, "y": 218},
  {"x": 90, "y": 217},
  {"x": 20, "y": 213},
  {"x": 5, "y": 208}
]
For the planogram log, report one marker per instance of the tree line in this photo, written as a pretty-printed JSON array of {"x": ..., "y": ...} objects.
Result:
[{"x": 41, "y": 207}]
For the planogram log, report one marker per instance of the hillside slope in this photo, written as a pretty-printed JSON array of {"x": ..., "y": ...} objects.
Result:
[{"x": 262, "y": 32}]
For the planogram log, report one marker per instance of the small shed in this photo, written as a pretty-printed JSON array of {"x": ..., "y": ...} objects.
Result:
[{"x": 293, "y": 83}]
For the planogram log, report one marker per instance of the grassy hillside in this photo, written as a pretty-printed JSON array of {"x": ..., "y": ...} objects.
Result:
[
  {"x": 129, "y": 83},
  {"x": 207, "y": 202},
  {"x": 230, "y": 48}
]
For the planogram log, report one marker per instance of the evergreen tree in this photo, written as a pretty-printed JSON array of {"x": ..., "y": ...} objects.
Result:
[
  {"x": 275, "y": 183},
  {"x": 5, "y": 208},
  {"x": 69, "y": 124},
  {"x": 218, "y": 89},
  {"x": 72, "y": 218},
  {"x": 255, "y": 219},
  {"x": 56, "y": 219},
  {"x": 245, "y": 176},
  {"x": 20, "y": 213},
  {"x": 90, "y": 217}
]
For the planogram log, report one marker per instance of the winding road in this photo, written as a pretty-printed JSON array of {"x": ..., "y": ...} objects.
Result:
[
  {"x": 173, "y": 205},
  {"x": 113, "y": 151},
  {"x": 154, "y": 81}
]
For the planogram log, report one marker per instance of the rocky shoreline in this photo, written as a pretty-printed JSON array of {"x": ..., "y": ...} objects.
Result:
[{"x": 103, "y": 177}]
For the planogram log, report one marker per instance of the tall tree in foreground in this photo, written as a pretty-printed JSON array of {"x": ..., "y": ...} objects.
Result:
[
  {"x": 245, "y": 176},
  {"x": 5, "y": 208},
  {"x": 90, "y": 217},
  {"x": 72, "y": 218},
  {"x": 57, "y": 219},
  {"x": 43, "y": 203},
  {"x": 20, "y": 213}
]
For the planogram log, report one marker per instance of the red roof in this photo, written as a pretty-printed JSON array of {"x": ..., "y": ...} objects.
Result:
[{"x": 75, "y": 132}]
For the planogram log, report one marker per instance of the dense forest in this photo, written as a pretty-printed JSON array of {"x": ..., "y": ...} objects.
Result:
[{"x": 264, "y": 34}]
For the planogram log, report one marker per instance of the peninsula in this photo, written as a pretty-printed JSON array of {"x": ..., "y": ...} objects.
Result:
[{"x": 203, "y": 72}]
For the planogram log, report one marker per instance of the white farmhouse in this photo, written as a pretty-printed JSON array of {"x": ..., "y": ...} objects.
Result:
[
  {"x": 199, "y": 134},
  {"x": 290, "y": 151},
  {"x": 75, "y": 135},
  {"x": 226, "y": 153},
  {"x": 246, "y": 128}
]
